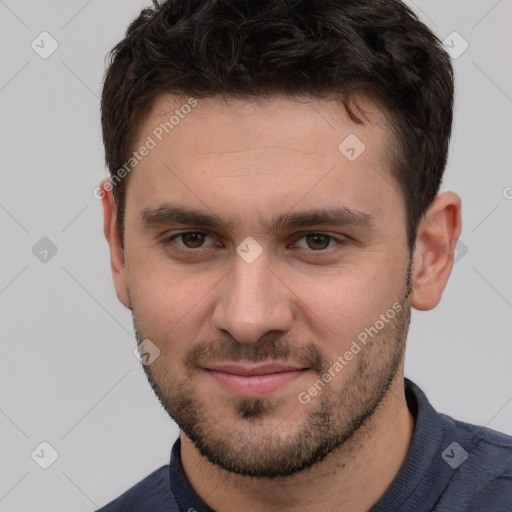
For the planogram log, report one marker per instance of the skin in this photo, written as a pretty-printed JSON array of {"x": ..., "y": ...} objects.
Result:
[{"x": 302, "y": 300}]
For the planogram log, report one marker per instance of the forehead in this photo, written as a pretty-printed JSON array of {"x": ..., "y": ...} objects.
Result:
[
  {"x": 274, "y": 151},
  {"x": 302, "y": 116}
]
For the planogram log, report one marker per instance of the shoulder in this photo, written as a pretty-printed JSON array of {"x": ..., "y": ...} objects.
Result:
[
  {"x": 482, "y": 459},
  {"x": 150, "y": 494},
  {"x": 490, "y": 448}
]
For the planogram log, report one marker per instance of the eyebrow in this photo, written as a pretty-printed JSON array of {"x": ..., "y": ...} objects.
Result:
[{"x": 168, "y": 214}]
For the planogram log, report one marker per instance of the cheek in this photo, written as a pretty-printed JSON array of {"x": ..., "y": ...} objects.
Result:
[
  {"x": 167, "y": 301},
  {"x": 346, "y": 302}
]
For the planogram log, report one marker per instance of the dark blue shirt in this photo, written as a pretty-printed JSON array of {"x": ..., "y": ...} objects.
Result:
[{"x": 451, "y": 466}]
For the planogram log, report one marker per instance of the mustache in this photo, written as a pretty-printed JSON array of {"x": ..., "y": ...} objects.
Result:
[{"x": 268, "y": 348}]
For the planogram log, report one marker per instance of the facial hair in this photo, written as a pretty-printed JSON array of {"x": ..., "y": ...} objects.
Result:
[{"x": 330, "y": 421}]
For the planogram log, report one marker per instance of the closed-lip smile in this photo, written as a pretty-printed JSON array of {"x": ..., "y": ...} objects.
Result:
[{"x": 253, "y": 379}]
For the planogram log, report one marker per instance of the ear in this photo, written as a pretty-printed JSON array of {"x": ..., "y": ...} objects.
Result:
[
  {"x": 437, "y": 235},
  {"x": 112, "y": 234}
]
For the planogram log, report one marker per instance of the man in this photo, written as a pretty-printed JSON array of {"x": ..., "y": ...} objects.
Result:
[{"x": 272, "y": 216}]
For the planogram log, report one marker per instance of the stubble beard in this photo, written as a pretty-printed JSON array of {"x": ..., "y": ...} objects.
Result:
[{"x": 330, "y": 421}]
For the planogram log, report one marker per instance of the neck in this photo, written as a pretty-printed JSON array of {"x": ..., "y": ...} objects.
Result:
[{"x": 352, "y": 478}]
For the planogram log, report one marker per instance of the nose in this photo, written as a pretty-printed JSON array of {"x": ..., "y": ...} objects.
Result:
[{"x": 253, "y": 301}]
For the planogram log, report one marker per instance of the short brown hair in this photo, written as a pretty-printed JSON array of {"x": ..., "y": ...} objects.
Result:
[{"x": 319, "y": 48}]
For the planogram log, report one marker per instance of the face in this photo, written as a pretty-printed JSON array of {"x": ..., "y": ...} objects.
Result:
[{"x": 267, "y": 260}]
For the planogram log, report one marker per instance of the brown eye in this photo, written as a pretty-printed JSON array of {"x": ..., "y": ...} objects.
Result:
[
  {"x": 318, "y": 242},
  {"x": 193, "y": 240}
]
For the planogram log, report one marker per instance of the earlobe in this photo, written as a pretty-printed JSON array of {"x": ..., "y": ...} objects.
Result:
[
  {"x": 437, "y": 235},
  {"x": 112, "y": 235}
]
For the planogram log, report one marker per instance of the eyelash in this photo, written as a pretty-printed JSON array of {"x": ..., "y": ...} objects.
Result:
[{"x": 168, "y": 240}]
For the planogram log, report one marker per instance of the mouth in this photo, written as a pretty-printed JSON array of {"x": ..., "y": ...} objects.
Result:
[{"x": 254, "y": 380}]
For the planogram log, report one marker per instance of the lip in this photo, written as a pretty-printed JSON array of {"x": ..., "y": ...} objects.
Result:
[{"x": 254, "y": 380}]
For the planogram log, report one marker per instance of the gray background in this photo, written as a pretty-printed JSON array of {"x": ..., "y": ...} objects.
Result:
[{"x": 68, "y": 373}]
